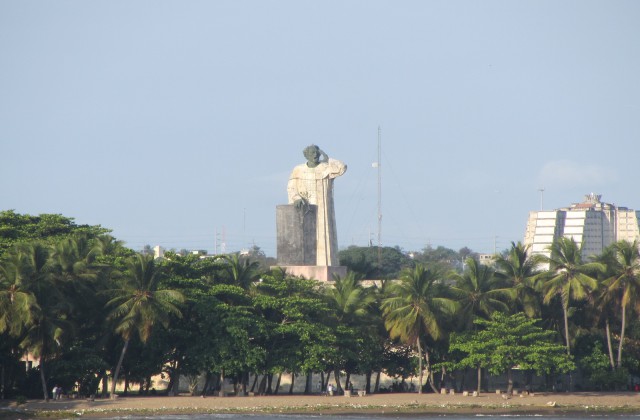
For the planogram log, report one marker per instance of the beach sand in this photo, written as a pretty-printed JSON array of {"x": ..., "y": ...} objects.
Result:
[{"x": 584, "y": 402}]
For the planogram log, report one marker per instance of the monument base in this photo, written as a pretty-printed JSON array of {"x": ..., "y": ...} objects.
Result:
[{"x": 316, "y": 272}]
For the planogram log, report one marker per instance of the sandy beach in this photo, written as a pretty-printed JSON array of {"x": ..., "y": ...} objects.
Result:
[{"x": 586, "y": 402}]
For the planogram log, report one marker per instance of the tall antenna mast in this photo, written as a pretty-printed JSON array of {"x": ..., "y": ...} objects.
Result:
[{"x": 379, "y": 188}]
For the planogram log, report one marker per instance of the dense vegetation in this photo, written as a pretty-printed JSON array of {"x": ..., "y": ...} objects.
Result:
[{"x": 89, "y": 310}]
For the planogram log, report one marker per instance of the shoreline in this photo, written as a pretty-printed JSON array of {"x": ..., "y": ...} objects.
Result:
[{"x": 379, "y": 404}]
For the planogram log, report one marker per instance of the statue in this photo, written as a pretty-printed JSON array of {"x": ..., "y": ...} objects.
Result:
[{"x": 312, "y": 183}]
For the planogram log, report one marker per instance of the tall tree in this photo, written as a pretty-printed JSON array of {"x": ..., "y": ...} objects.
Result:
[
  {"x": 606, "y": 300},
  {"x": 626, "y": 281},
  {"x": 504, "y": 342},
  {"x": 49, "y": 313},
  {"x": 479, "y": 293},
  {"x": 15, "y": 228},
  {"x": 519, "y": 270},
  {"x": 569, "y": 277},
  {"x": 375, "y": 262},
  {"x": 349, "y": 300},
  {"x": 16, "y": 300},
  {"x": 351, "y": 305},
  {"x": 138, "y": 304},
  {"x": 241, "y": 272},
  {"x": 416, "y": 308}
]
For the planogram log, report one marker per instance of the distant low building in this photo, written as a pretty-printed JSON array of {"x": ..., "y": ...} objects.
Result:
[
  {"x": 592, "y": 224},
  {"x": 158, "y": 251},
  {"x": 487, "y": 259}
]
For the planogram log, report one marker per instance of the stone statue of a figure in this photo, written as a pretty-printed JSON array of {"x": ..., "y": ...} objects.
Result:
[{"x": 312, "y": 183}]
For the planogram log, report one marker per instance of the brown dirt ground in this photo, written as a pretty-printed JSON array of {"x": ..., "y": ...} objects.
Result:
[{"x": 380, "y": 403}]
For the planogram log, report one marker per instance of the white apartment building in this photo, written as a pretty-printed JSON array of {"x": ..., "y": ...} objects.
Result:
[{"x": 592, "y": 224}]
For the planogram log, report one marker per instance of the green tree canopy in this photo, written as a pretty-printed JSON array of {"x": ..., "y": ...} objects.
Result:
[
  {"x": 505, "y": 342},
  {"x": 15, "y": 227},
  {"x": 373, "y": 262}
]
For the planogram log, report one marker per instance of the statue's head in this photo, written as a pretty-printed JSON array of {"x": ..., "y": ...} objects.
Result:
[{"x": 312, "y": 153}]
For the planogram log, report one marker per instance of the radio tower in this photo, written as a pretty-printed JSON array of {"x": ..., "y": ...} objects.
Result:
[{"x": 379, "y": 197}]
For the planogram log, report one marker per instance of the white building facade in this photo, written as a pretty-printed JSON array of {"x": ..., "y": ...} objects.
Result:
[{"x": 592, "y": 224}]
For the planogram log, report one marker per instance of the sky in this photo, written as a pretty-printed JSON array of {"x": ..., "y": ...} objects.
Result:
[{"x": 177, "y": 123}]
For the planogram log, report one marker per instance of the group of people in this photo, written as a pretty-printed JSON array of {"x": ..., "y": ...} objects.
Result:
[{"x": 57, "y": 392}]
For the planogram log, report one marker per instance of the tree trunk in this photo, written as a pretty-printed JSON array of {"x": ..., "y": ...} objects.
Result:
[
  {"x": 308, "y": 385},
  {"x": 207, "y": 380},
  {"x": 175, "y": 389},
  {"x": 263, "y": 385},
  {"x": 269, "y": 382},
  {"x": 221, "y": 392},
  {"x": 367, "y": 386},
  {"x": 245, "y": 382},
  {"x": 430, "y": 372},
  {"x": 479, "y": 379},
  {"x": 293, "y": 380},
  {"x": 118, "y": 367},
  {"x": 419, "y": 366},
  {"x": 215, "y": 383},
  {"x": 609, "y": 346},
  {"x": 275, "y": 391},
  {"x": 565, "y": 309},
  {"x": 255, "y": 381},
  {"x": 105, "y": 385},
  {"x": 376, "y": 388},
  {"x": 43, "y": 380},
  {"x": 336, "y": 374},
  {"x": 509, "y": 381},
  {"x": 622, "y": 328}
]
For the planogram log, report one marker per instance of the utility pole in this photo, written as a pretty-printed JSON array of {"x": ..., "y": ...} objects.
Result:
[
  {"x": 380, "y": 199},
  {"x": 541, "y": 198},
  {"x": 379, "y": 187}
]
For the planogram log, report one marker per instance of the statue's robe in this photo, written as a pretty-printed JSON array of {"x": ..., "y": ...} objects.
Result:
[{"x": 316, "y": 186}]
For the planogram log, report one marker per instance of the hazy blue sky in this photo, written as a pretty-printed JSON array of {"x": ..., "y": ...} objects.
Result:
[{"x": 169, "y": 121}]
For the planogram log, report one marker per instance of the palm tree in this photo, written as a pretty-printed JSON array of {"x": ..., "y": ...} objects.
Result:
[
  {"x": 241, "y": 272},
  {"x": 568, "y": 277},
  {"x": 479, "y": 293},
  {"x": 139, "y": 304},
  {"x": 349, "y": 300},
  {"x": 352, "y": 306},
  {"x": 415, "y": 308},
  {"x": 379, "y": 335},
  {"x": 16, "y": 301},
  {"x": 45, "y": 310},
  {"x": 605, "y": 300},
  {"x": 625, "y": 281},
  {"x": 519, "y": 269}
]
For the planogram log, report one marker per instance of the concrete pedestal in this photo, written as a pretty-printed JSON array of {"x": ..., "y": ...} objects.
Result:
[
  {"x": 322, "y": 273},
  {"x": 296, "y": 233},
  {"x": 297, "y": 240}
]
